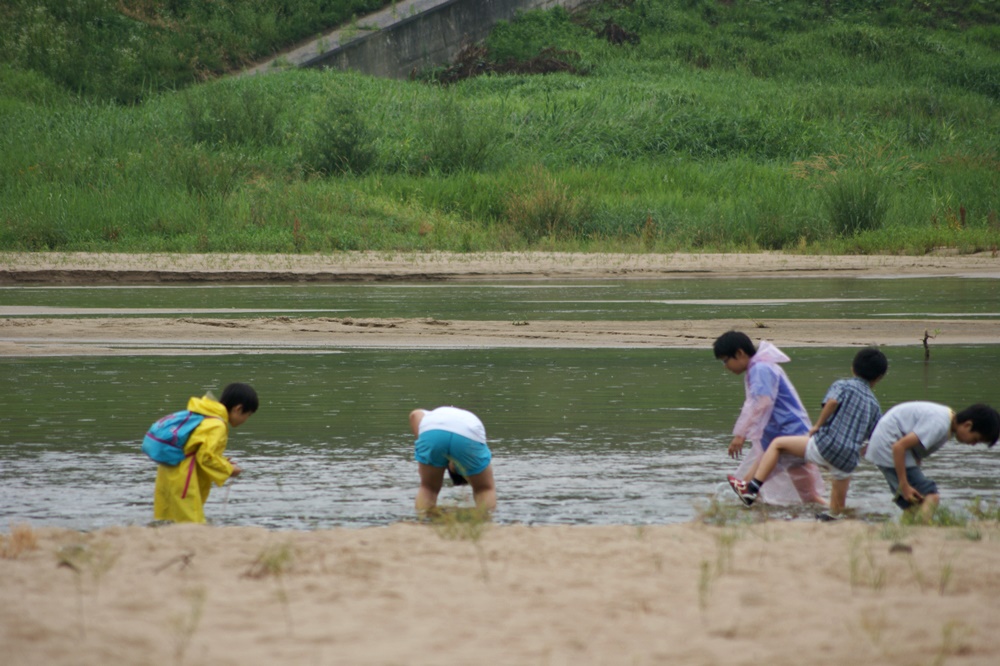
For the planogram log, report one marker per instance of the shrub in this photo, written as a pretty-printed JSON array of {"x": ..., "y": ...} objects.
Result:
[
  {"x": 222, "y": 114},
  {"x": 856, "y": 202},
  {"x": 342, "y": 141},
  {"x": 544, "y": 207}
]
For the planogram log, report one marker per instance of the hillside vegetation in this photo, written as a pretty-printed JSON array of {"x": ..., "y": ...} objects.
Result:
[{"x": 815, "y": 126}]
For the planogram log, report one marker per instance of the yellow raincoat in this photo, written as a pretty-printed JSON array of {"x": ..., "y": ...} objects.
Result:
[{"x": 181, "y": 490}]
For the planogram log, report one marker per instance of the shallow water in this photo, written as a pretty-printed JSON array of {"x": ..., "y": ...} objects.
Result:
[
  {"x": 526, "y": 300},
  {"x": 579, "y": 436}
]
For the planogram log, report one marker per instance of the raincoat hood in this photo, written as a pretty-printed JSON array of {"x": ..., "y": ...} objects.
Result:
[
  {"x": 209, "y": 407},
  {"x": 766, "y": 353}
]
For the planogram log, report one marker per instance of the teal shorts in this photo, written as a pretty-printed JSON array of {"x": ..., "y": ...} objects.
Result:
[{"x": 439, "y": 447}]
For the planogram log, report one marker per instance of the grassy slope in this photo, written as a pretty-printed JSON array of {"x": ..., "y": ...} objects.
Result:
[{"x": 819, "y": 126}]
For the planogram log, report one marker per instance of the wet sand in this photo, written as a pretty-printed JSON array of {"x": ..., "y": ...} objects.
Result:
[{"x": 29, "y": 333}]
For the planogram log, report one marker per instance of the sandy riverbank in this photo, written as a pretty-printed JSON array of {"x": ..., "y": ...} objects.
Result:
[
  {"x": 27, "y": 331},
  {"x": 769, "y": 593}
]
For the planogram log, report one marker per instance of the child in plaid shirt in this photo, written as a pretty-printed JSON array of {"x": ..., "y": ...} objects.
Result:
[{"x": 850, "y": 412}]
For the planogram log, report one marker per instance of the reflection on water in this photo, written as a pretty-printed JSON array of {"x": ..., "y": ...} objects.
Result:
[{"x": 579, "y": 436}]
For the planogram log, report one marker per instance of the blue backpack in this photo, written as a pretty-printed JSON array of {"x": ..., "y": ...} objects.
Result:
[{"x": 164, "y": 443}]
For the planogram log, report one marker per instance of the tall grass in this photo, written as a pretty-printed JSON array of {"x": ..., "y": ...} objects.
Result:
[
  {"x": 842, "y": 126},
  {"x": 126, "y": 50}
]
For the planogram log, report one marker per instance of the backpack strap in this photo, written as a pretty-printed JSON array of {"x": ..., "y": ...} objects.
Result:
[{"x": 187, "y": 481}]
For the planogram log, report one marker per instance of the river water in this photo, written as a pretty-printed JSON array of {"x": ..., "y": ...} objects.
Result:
[{"x": 580, "y": 436}]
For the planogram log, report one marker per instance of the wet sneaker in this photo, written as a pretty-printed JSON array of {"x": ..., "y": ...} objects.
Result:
[
  {"x": 827, "y": 517},
  {"x": 739, "y": 487}
]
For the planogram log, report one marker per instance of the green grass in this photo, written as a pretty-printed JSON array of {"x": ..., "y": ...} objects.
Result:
[{"x": 800, "y": 126}]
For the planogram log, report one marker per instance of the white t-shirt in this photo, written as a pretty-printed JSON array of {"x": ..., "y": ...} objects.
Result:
[
  {"x": 930, "y": 422},
  {"x": 453, "y": 419}
]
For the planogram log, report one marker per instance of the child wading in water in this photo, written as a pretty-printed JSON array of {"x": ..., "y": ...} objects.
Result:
[
  {"x": 772, "y": 408},
  {"x": 911, "y": 431},
  {"x": 850, "y": 412},
  {"x": 181, "y": 490},
  {"x": 453, "y": 439}
]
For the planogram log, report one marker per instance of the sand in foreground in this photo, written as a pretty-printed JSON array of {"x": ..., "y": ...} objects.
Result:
[{"x": 766, "y": 593}]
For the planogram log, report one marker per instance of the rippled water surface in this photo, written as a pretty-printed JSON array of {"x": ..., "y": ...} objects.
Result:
[{"x": 579, "y": 436}]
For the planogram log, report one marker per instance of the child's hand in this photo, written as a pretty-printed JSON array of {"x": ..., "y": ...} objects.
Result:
[
  {"x": 736, "y": 447},
  {"x": 910, "y": 494},
  {"x": 237, "y": 470}
]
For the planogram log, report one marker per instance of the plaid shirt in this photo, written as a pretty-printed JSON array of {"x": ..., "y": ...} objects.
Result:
[{"x": 840, "y": 438}]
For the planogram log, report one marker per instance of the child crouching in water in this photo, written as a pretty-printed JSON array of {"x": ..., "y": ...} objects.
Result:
[
  {"x": 848, "y": 417},
  {"x": 911, "y": 431},
  {"x": 453, "y": 439},
  {"x": 182, "y": 490}
]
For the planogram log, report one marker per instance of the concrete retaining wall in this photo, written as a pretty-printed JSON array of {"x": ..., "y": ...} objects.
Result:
[{"x": 431, "y": 38}]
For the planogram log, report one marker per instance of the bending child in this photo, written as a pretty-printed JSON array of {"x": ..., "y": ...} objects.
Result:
[
  {"x": 911, "y": 431},
  {"x": 182, "y": 490},
  {"x": 772, "y": 408},
  {"x": 453, "y": 439},
  {"x": 848, "y": 417}
]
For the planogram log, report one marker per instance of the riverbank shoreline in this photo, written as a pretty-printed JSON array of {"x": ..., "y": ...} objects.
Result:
[
  {"x": 420, "y": 594},
  {"x": 99, "y": 268}
]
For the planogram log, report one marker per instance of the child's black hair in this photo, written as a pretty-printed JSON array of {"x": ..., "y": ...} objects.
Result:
[
  {"x": 240, "y": 394},
  {"x": 870, "y": 364},
  {"x": 985, "y": 421},
  {"x": 730, "y": 342}
]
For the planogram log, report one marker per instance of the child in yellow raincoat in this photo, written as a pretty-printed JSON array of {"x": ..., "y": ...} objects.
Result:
[{"x": 181, "y": 490}]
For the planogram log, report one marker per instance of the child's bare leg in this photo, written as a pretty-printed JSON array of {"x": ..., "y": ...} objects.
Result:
[
  {"x": 838, "y": 494},
  {"x": 929, "y": 506},
  {"x": 483, "y": 489},
  {"x": 431, "y": 480},
  {"x": 793, "y": 444}
]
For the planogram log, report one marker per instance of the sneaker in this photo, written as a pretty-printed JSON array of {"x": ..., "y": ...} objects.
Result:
[
  {"x": 739, "y": 487},
  {"x": 827, "y": 517}
]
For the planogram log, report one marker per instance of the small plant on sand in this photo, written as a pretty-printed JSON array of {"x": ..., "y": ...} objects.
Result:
[
  {"x": 866, "y": 571},
  {"x": 954, "y": 641},
  {"x": 275, "y": 561},
  {"x": 705, "y": 580},
  {"x": 22, "y": 539},
  {"x": 186, "y": 625},
  {"x": 716, "y": 512},
  {"x": 463, "y": 524},
  {"x": 80, "y": 558}
]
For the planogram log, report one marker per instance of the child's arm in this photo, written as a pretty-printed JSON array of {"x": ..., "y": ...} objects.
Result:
[
  {"x": 751, "y": 423},
  {"x": 899, "y": 449},
  {"x": 829, "y": 408}
]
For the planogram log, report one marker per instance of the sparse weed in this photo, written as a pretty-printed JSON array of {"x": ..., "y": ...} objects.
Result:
[
  {"x": 713, "y": 511},
  {"x": 186, "y": 625},
  {"x": 865, "y": 570},
  {"x": 275, "y": 561},
  {"x": 22, "y": 539},
  {"x": 463, "y": 524}
]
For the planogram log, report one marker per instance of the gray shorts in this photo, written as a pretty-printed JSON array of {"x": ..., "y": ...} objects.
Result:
[
  {"x": 813, "y": 455},
  {"x": 915, "y": 477}
]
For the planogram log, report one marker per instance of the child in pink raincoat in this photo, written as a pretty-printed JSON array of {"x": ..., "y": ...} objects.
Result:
[{"x": 772, "y": 408}]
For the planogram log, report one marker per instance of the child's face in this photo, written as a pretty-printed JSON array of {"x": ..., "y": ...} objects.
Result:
[
  {"x": 736, "y": 364},
  {"x": 237, "y": 416},
  {"x": 966, "y": 435}
]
